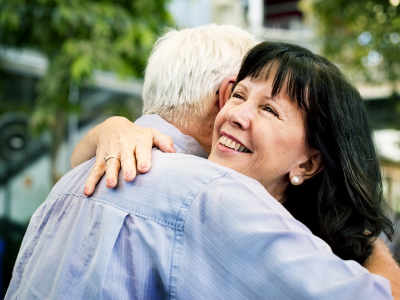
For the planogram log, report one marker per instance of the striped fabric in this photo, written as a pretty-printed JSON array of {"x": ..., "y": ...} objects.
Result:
[{"x": 188, "y": 229}]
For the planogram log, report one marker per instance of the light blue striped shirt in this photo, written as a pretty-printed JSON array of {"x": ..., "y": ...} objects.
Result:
[{"x": 188, "y": 229}]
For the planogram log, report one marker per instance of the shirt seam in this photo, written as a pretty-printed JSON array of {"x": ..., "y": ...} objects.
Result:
[
  {"x": 123, "y": 208},
  {"x": 180, "y": 227}
]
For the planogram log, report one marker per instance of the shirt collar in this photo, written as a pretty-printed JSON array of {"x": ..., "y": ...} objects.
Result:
[{"x": 182, "y": 143}]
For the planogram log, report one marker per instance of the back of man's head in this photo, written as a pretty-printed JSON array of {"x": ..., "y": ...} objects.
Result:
[{"x": 186, "y": 68}]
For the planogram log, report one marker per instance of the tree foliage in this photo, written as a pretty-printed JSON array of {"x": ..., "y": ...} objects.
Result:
[
  {"x": 78, "y": 37},
  {"x": 360, "y": 34}
]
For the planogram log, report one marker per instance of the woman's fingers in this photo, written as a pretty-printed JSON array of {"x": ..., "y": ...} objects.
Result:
[
  {"x": 94, "y": 176},
  {"x": 143, "y": 151},
  {"x": 163, "y": 142},
  {"x": 112, "y": 169},
  {"x": 128, "y": 164},
  {"x": 132, "y": 145},
  {"x": 146, "y": 143}
]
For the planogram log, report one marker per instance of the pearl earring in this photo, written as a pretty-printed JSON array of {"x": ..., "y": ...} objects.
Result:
[{"x": 295, "y": 180}]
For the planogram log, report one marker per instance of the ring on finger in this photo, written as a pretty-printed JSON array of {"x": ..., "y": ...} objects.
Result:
[{"x": 108, "y": 157}]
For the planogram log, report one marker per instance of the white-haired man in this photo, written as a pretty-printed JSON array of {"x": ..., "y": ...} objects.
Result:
[
  {"x": 183, "y": 75},
  {"x": 189, "y": 230}
]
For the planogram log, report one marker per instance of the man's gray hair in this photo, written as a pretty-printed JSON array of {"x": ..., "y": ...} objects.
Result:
[{"x": 186, "y": 67}]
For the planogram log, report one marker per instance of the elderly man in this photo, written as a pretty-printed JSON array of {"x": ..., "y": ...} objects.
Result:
[{"x": 161, "y": 236}]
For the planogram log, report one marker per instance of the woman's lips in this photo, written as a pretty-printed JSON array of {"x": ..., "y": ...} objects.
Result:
[{"x": 230, "y": 143}]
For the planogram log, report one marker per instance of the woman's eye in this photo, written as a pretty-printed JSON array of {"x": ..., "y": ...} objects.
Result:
[
  {"x": 236, "y": 95},
  {"x": 269, "y": 109}
]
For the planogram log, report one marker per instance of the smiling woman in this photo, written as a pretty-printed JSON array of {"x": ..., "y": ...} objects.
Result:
[
  {"x": 295, "y": 124},
  {"x": 314, "y": 131},
  {"x": 271, "y": 129}
]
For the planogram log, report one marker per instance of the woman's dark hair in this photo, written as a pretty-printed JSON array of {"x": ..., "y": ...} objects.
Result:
[{"x": 343, "y": 204}]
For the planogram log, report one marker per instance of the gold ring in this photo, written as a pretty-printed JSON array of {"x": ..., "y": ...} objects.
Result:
[{"x": 111, "y": 156}]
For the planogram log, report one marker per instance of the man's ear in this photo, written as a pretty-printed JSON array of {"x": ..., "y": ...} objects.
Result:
[
  {"x": 225, "y": 90},
  {"x": 309, "y": 167}
]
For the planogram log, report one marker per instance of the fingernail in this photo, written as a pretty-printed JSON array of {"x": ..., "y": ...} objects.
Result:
[
  {"x": 86, "y": 191},
  {"x": 143, "y": 165},
  {"x": 129, "y": 173},
  {"x": 110, "y": 180}
]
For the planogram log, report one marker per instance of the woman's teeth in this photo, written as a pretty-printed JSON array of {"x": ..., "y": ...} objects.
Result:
[{"x": 227, "y": 142}]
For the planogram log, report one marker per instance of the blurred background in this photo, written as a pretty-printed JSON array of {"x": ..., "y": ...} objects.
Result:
[{"x": 66, "y": 65}]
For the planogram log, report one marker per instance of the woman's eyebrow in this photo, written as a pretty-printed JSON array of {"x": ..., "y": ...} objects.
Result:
[
  {"x": 239, "y": 88},
  {"x": 241, "y": 85},
  {"x": 268, "y": 96}
]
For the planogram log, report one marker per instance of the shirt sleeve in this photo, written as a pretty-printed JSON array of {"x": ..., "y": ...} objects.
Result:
[{"x": 240, "y": 243}]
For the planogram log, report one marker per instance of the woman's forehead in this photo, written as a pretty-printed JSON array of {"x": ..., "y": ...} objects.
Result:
[
  {"x": 283, "y": 91},
  {"x": 278, "y": 82},
  {"x": 266, "y": 87}
]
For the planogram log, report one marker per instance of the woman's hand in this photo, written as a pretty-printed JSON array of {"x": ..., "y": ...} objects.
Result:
[
  {"x": 381, "y": 262},
  {"x": 117, "y": 136}
]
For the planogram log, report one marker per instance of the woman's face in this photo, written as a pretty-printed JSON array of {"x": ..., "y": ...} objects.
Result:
[{"x": 260, "y": 136}]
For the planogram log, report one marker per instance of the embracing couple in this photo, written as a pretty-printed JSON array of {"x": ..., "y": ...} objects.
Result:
[{"x": 292, "y": 175}]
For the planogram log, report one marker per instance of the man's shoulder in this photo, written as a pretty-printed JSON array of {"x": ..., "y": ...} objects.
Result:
[
  {"x": 187, "y": 171},
  {"x": 194, "y": 179},
  {"x": 73, "y": 182},
  {"x": 173, "y": 176},
  {"x": 173, "y": 182},
  {"x": 188, "y": 166}
]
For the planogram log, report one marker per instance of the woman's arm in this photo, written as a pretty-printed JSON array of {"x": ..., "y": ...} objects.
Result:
[
  {"x": 86, "y": 148},
  {"x": 120, "y": 137},
  {"x": 381, "y": 262}
]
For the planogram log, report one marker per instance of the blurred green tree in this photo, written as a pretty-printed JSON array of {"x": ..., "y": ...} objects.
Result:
[
  {"x": 78, "y": 37},
  {"x": 359, "y": 34}
]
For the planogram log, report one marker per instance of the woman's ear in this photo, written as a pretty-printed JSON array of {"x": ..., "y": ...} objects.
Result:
[
  {"x": 307, "y": 169},
  {"x": 225, "y": 90}
]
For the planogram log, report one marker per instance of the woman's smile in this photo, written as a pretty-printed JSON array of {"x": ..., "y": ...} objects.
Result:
[{"x": 232, "y": 143}]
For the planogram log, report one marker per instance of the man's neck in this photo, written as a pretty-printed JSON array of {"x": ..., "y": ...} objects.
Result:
[
  {"x": 200, "y": 127},
  {"x": 201, "y": 133}
]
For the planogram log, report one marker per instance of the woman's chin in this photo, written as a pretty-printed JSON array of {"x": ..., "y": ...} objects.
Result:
[{"x": 231, "y": 158}]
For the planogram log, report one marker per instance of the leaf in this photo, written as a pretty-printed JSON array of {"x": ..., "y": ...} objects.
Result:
[{"x": 81, "y": 68}]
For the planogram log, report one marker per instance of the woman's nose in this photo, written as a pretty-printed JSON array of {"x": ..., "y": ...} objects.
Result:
[{"x": 241, "y": 116}]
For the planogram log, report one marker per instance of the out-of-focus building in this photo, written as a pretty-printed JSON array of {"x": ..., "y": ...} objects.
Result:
[{"x": 267, "y": 19}]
